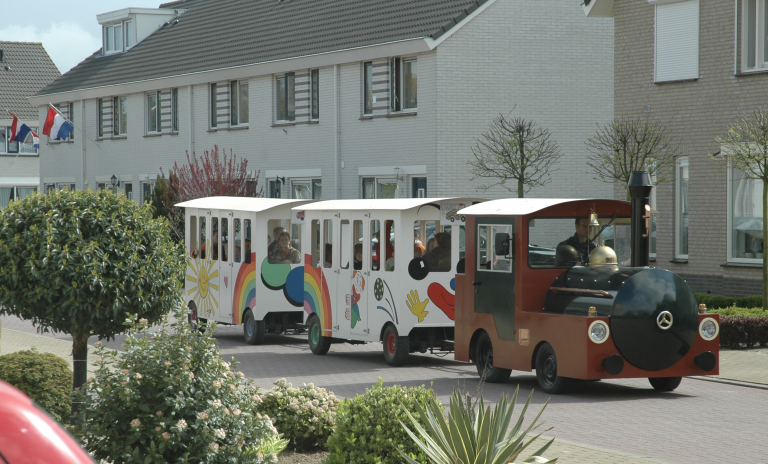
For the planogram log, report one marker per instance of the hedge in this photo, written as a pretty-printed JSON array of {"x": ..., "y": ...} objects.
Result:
[{"x": 720, "y": 301}]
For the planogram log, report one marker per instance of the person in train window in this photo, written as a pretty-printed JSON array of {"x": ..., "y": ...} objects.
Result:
[
  {"x": 431, "y": 244},
  {"x": 284, "y": 253},
  {"x": 439, "y": 259},
  {"x": 275, "y": 236},
  {"x": 390, "y": 264},
  {"x": 580, "y": 242},
  {"x": 358, "y": 262},
  {"x": 418, "y": 247},
  {"x": 328, "y": 255},
  {"x": 215, "y": 246},
  {"x": 247, "y": 250}
]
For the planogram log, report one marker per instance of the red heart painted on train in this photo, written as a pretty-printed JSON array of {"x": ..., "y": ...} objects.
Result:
[{"x": 226, "y": 281}]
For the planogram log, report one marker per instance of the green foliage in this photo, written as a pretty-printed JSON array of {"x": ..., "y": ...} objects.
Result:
[
  {"x": 271, "y": 445},
  {"x": 734, "y": 311},
  {"x": 44, "y": 377},
  {"x": 720, "y": 301},
  {"x": 170, "y": 398},
  {"x": 473, "y": 433},
  {"x": 77, "y": 261},
  {"x": 368, "y": 426},
  {"x": 305, "y": 416}
]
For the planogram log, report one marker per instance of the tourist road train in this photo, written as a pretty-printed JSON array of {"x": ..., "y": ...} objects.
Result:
[{"x": 496, "y": 282}]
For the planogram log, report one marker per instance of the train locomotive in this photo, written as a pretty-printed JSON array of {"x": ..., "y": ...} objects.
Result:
[{"x": 528, "y": 301}]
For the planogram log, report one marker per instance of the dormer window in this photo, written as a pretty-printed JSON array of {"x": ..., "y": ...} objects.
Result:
[{"x": 119, "y": 37}]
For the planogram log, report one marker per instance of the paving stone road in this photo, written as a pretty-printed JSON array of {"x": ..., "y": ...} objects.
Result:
[{"x": 621, "y": 421}]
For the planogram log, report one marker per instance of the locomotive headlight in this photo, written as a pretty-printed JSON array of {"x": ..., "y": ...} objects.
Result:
[
  {"x": 598, "y": 332},
  {"x": 708, "y": 329}
]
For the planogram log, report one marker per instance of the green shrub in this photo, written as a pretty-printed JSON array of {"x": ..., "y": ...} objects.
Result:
[
  {"x": 743, "y": 312},
  {"x": 44, "y": 377},
  {"x": 305, "y": 415},
  {"x": 368, "y": 426},
  {"x": 720, "y": 301},
  {"x": 170, "y": 398}
]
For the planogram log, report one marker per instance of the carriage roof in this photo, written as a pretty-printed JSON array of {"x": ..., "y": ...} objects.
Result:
[
  {"x": 522, "y": 206},
  {"x": 394, "y": 204},
  {"x": 250, "y": 204}
]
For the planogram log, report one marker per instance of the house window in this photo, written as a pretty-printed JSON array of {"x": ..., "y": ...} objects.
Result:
[
  {"x": 14, "y": 193},
  {"x": 214, "y": 118},
  {"x": 174, "y": 110},
  {"x": 314, "y": 88},
  {"x": 368, "y": 88},
  {"x": 120, "y": 116},
  {"x": 285, "y": 97},
  {"x": 238, "y": 104},
  {"x": 404, "y": 84},
  {"x": 754, "y": 34},
  {"x": 118, "y": 37},
  {"x": 307, "y": 189},
  {"x": 681, "y": 195},
  {"x": 49, "y": 188},
  {"x": 70, "y": 116},
  {"x": 677, "y": 41},
  {"x": 153, "y": 112},
  {"x": 745, "y": 217},
  {"x": 652, "y": 204},
  {"x": 379, "y": 187},
  {"x": 418, "y": 187},
  {"x": 146, "y": 191},
  {"x": 25, "y": 147},
  {"x": 128, "y": 190},
  {"x": 101, "y": 117}
]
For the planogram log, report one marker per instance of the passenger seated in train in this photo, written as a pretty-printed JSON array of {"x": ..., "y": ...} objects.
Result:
[
  {"x": 358, "y": 262},
  {"x": 283, "y": 252},
  {"x": 275, "y": 236},
  {"x": 247, "y": 250},
  {"x": 580, "y": 242},
  {"x": 439, "y": 259},
  {"x": 389, "y": 265},
  {"x": 418, "y": 247}
]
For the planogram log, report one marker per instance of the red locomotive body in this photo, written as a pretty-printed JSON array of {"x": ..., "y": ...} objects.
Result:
[{"x": 519, "y": 306}]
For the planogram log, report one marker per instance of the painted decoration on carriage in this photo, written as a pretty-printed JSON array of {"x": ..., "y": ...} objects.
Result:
[
  {"x": 244, "y": 292},
  {"x": 205, "y": 282},
  {"x": 282, "y": 277},
  {"x": 443, "y": 298},
  {"x": 391, "y": 308},
  {"x": 316, "y": 296}
]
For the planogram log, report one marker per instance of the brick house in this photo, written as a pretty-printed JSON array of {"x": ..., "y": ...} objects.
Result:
[
  {"x": 362, "y": 98},
  {"x": 695, "y": 66},
  {"x": 25, "y": 68}
]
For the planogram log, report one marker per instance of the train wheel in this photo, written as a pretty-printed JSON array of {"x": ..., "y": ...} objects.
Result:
[
  {"x": 396, "y": 348},
  {"x": 546, "y": 370},
  {"x": 484, "y": 362},
  {"x": 201, "y": 325},
  {"x": 665, "y": 384},
  {"x": 253, "y": 330},
  {"x": 317, "y": 342}
]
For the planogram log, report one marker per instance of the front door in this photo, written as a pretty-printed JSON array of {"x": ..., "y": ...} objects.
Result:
[{"x": 494, "y": 282}]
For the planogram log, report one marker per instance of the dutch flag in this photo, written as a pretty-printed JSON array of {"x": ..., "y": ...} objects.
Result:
[
  {"x": 19, "y": 132},
  {"x": 56, "y": 126}
]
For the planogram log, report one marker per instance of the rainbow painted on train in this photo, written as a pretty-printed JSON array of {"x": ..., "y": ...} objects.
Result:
[
  {"x": 317, "y": 301},
  {"x": 244, "y": 293}
]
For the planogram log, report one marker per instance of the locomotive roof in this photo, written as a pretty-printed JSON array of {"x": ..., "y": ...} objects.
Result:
[
  {"x": 250, "y": 204},
  {"x": 520, "y": 206},
  {"x": 396, "y": 204}
]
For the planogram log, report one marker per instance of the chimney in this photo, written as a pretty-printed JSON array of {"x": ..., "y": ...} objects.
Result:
[{"x": 640, "y": 190}]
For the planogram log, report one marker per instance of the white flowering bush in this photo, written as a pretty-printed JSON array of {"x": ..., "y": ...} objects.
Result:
[
  {"x": 171, "y": 398},
  {"x": 305, "y": 415}
]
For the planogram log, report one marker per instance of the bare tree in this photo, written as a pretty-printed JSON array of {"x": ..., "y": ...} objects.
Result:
[
  {"x": 627, "y": 145},
  {"x": 514, "y": 149},
  {"x": 745, "y": 146}
]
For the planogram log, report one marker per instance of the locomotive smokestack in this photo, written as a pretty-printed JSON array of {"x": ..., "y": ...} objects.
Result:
[{"x": 640, "y": 190}]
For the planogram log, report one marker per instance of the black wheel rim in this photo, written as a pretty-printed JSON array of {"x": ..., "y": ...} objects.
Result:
[
  {"x": 549, "y": 369},
  {"x": 486, "y": 356}
]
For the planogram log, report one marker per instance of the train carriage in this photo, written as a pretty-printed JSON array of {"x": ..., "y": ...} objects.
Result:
[
  {"x": 368, "y": 280},
  {"x": 528, "y": 300},
  {"x": 230, "y": 278}
]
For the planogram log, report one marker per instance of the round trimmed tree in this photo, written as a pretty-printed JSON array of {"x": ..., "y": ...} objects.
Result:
[{"x": 77, "y": 262}]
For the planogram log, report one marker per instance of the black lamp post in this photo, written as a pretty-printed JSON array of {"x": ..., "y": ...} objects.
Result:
[
  {"x": 114, "y": 180},
  {"x": 279, "y": 181}
]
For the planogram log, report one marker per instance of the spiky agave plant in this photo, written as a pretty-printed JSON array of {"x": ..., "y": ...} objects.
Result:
[{"x": 472, "y": 435}]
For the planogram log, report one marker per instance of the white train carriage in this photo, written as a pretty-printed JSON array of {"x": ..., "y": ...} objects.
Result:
[
  {"x": 382, "y": 270},
  {"x": 230, "y": 276}
]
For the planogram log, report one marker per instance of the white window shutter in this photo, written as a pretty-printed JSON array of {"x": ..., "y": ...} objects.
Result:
[{"x": 677, "y": 41}]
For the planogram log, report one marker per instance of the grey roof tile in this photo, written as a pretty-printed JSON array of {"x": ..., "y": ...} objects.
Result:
[
  {"x": 215, "y": 34},
  {"x": 30, "y": 69}
]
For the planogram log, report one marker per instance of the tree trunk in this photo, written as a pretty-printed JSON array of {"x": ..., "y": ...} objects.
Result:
[
  {"x": 520, "y": 186},
  {"x": 765, "y": 235},
  {"x": 80, "y": 362}
]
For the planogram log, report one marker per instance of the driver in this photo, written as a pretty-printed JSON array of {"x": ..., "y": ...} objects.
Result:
[{"x": 580, "y": 242}]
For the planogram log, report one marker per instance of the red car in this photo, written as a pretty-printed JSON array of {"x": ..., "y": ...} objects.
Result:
[{"x": 29, "y": 435}]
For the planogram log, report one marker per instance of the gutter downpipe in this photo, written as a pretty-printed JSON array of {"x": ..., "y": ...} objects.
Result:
[
  {"x": 337, "y": 131},
  {"x": 82, "y": 142},
  {"x": 190, "y": 95}
]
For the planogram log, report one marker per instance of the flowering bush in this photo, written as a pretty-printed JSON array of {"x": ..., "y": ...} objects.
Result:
[
  {"x": 368, "y": 426},
  {"x": 303, "y": 415},
  {"x": 170, "y": 398}
]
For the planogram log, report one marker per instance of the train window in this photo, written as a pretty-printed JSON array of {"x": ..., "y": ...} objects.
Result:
[
  {"x": 224, "y": 238},
  {"x": 214, "y": 238},
  {"x": 315, "y": 243},
  {"x": 328, "y": 247},
  {"x": 545, "y": 235},
  {"x": 238, "y": 257},
  {"x": 193, "y": 250},
  {"x": 202, "y": 237},
  {"x": 494, "y": 248},
  {"x": 345, "y": 244},
  {"x": 438, "y": 251},
  {"x": 357, "y": 245},
  {"x": 375, "y": 230},
  {"x": 389, "y": 252},
  {"x": 247, "y": 241},
  {"x": 296, "y": 236}
]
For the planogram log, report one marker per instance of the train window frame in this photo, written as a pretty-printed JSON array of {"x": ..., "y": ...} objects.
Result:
[
  {"x": 603, "y": 220},
  {"x": 482, "y": 267},
  {"x": 327, "y": 240},
  {"x": 345, "y": 231},
  {"x": 193, "y": 237}
]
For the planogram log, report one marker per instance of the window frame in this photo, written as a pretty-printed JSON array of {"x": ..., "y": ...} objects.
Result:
[
  {"x": 761, "y": 32},
  {"x": 158, "y": 127},
  {"x": 490, "y": 241},
  {"x": 682, "y": 161},
  {"x": 283, "y": 103},
  {"x": 110, "y": 33},
  {"x": 314, "y": 94},
  {"x": 376, "y": 181},
  {"x": 238, "y": 111},
  {"x": 20, "y": 150},
  {"x": 100, "y": 117},
  {"x": 175, "y": 110},
  {"x": 119, "y": 127},
  {"x": 214, "y": 117},
  {"x": 729, "y": 224},
  {"x": 397, "y": 84},
  {"x": 367, "y": 99}
]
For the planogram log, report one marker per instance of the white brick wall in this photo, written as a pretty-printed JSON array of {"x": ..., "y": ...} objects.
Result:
[{"x": 545, "y": 57}]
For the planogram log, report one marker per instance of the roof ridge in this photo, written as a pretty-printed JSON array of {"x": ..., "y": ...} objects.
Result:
[{"x": 23, "y": 43}]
